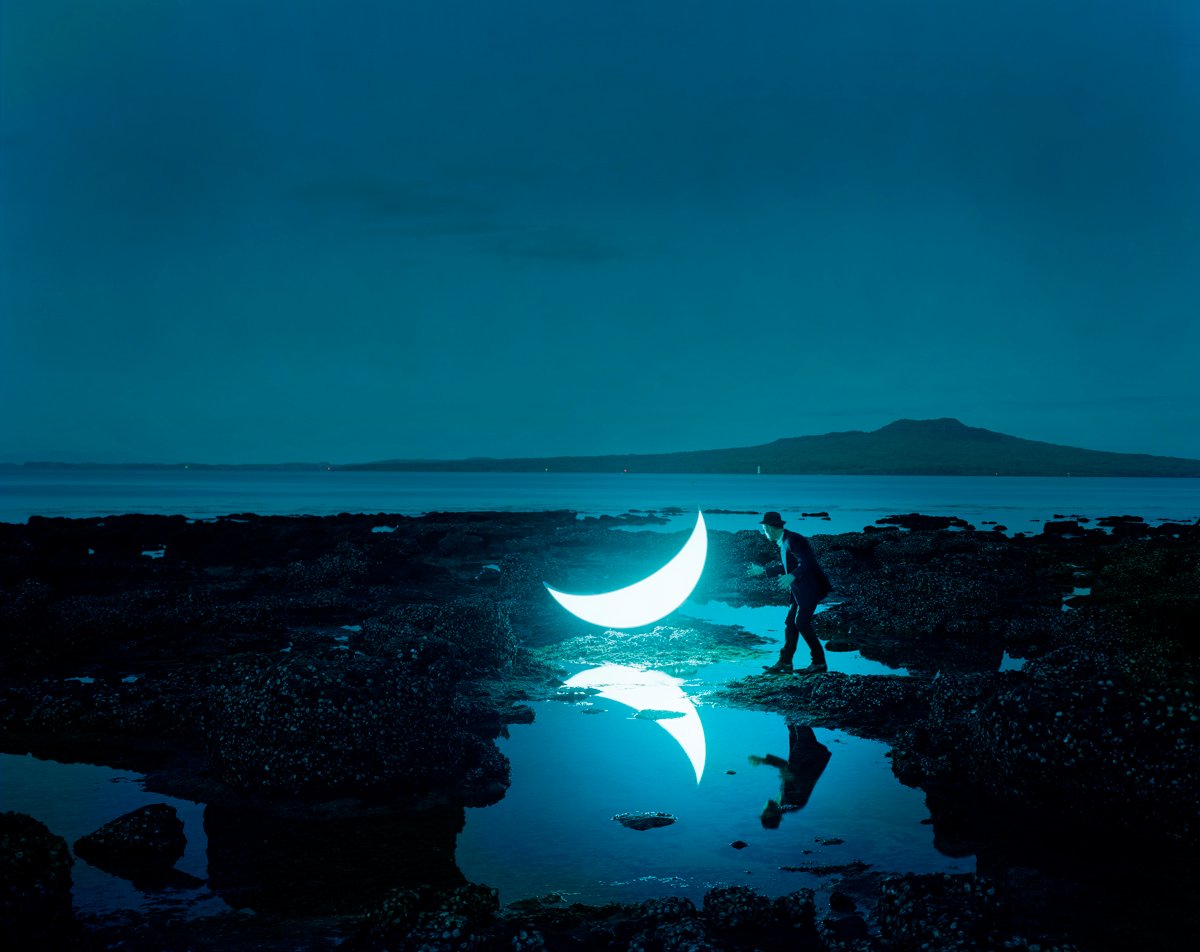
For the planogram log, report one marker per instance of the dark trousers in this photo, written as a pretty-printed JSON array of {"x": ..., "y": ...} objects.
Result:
[{"x": 800, "y": 622}]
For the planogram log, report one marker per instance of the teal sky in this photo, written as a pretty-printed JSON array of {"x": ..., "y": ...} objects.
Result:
[{"x": 264, "y": 231}]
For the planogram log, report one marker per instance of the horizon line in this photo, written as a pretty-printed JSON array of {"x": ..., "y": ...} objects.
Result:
[{"x": 318, "y": 464}]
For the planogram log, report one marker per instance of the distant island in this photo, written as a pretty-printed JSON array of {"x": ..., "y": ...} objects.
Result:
[{"x": 944, "y": 447}]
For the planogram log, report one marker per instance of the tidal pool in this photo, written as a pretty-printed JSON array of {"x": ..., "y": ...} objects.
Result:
[
  {"x": 76, "y": 799},
  {"x": 573, "y": 771},
  {"x": 580, "y": 764}
]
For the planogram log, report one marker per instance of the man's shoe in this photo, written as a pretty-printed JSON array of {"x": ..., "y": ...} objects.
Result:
[
  {"x": 778, "y": 668},
  {"x": 814, "y": 668}
]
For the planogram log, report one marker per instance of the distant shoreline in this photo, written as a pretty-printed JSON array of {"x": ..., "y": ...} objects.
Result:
[
  {"x": 449, "y": 467},
  {"x": 941, "y": 447}
]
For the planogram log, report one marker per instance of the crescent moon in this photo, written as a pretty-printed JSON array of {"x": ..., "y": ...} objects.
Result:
[
  {"x": 651, "y": 691},
  {"x": 652, "y": 598}
]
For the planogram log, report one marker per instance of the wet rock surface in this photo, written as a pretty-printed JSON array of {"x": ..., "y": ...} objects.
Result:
[
  {"x": 870, "y": 705},
  {"x": 144, "y": 843},
  {"x": 645, "y": 821},
  {"x": 35, "y": 886},
  {"x": 271, "y": 723},
  {"x": 332, "y": 693},
  {"x": 686, "y": 644}
]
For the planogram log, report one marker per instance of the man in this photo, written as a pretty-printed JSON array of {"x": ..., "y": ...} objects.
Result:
[{"x": 803, "y": 577}]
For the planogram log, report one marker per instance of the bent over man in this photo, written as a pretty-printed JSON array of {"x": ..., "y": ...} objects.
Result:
[{"x": 807, "y": 582}]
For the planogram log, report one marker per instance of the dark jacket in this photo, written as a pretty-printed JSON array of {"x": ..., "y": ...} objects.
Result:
[{"x": 799, "y": 561}]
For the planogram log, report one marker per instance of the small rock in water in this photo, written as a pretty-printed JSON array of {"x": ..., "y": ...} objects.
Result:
[
  {"x": 652, "y": 715},
  {"x": 739, "y": 844},
  {"x": 644, "y": 821},
  {"x": 148, "y": 839}
]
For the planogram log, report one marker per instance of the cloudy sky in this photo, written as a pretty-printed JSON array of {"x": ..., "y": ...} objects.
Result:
[{"x": 240, "y": 230}]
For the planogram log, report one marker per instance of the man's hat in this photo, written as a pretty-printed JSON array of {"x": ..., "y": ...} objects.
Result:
[{"x": 772, "y": 519}]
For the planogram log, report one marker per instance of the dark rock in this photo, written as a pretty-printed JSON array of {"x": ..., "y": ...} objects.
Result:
[
  {"x": 1114, "y": 521},
  {"x": 1052, "y": 754},
  {"x": 397, "y": 723},
  {"x": 795, "y": 916},
  {"x": 456, "y": 637},
  {"x": 461, "y": 917},
  {"x": 917, "y": 521},
  {"x": 937, "y": 910},
  {"x": 459, "y": 543},
  {"x": 840, "y": 902},
  {"x": 829, "y": 869},
  {"x": 874, "y": 705},
  {"x": 685, "y": 935},
  {"x": 145, "y": 842},
  {"x": 666, "y": 909},
  {"x": 736, "y": 911},
  {"x": 930, "y": 601},
  {"x": 683, "y": 643},
  {"x": 1063, "y": 528},
  {"x": 519, "y": 714},
  {"x": 739, "y": 844},
  {"x": 848, "y": 929},
  {"x": 35, "y": 887},
  {"x": 645, "y": 821},
  {"x": 655, "y": 715}
]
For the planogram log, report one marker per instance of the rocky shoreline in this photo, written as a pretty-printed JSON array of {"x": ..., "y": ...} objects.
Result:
[{"x": 331, "y": 688}]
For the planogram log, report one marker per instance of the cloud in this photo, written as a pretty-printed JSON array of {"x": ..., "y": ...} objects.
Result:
[
  {"x": 412, "y": 208},
  {"x": 560, "y": 245}
]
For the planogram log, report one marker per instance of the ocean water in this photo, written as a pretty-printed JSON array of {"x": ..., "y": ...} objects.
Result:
[{"x": 1019, "y": 503}]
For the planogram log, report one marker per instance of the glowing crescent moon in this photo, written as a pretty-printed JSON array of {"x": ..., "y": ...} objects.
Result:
[
  {"x": 650, "y": 599},
  {"x": 651, "y": 691}
]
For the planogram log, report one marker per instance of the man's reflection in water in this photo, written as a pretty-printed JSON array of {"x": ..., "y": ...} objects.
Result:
[{"x": 806, "y": 761}]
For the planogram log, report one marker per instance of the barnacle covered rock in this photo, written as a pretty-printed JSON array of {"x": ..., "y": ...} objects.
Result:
[
  {"x": 323, "y": 724},
  {"x": 942, "y": 911},
  {"x": 35, "y": 886},
  {"x": 872, "y": 705},
  {"x": 1100, "y": 753},
  {"x": 147, "y": 840}
]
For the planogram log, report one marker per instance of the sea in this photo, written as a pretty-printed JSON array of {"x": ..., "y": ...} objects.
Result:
[
  {"x": 813, "y": 504},
  {"x": 577, "y": 768}
]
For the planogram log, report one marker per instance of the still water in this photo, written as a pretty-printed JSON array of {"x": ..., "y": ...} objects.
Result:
[
  {"x": 573, "y": 772},
  {"x": 579, "y": 765},
  {"x": 76, "y": 799}
]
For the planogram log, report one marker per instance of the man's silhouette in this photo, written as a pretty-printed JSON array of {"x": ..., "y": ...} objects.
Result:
[{"x": 806, "y": 761}]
